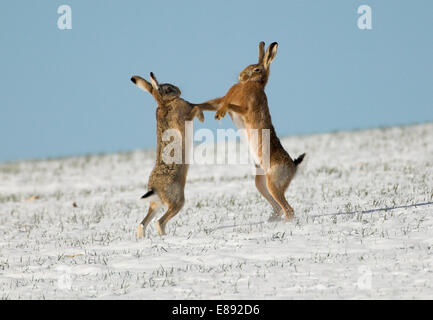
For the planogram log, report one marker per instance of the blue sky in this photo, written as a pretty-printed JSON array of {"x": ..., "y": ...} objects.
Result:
[{"x": 67, "y": 92}]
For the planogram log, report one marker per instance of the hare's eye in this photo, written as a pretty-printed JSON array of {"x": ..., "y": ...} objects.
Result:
[{"x": 256, "y": 69}]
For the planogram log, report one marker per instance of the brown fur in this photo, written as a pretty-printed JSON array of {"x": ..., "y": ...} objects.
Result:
[
  {"x": 247, "y": 104},
  {"x": 167, "y": 181}
]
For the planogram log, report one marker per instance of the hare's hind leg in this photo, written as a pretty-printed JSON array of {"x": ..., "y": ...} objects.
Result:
[
  {"x": 278, "y": 195},
  {"x": 277, "y": 183},
  {"x": 153, "y": 209},
  {"x": 261, "y": 187},
  {"x": 173, "y": 209}
]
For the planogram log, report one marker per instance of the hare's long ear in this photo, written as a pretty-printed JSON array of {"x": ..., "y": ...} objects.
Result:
[
  {"x": 261, "y": 52},
  {"x": 154, "y": 82},
  {"x": 155, "y": 86},
  {"x": 142, "y": 84},
  {"x": 270, "y": 54}
]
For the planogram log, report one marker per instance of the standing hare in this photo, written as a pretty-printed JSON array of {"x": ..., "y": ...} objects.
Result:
[
  {"x": 247, "y": 104},
  {"x": 167, "y": 180}
]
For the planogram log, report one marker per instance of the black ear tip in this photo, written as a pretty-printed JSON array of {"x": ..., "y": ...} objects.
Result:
[{"x": 133, "y": 80}]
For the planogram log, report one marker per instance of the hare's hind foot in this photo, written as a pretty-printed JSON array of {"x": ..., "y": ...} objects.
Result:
[
  {"x": 289, "y": 214},
  {"x": 140, "y": 231},
  {"x": 277, "y": 217},
  {"x": 273, "y": 218},
  {"x": 288, "y": 218},
  {"x": 159, "y": 228}
]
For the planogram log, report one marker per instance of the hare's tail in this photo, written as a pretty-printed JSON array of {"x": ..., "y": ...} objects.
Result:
[
  {"x": 299, "y": 159},
  {"x": 148, "y": 194}
]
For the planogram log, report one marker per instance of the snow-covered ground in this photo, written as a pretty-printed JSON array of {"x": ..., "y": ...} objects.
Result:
[{"x": 220, "y": 246}]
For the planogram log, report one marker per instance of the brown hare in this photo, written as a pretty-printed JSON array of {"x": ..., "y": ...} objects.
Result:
[
  {"x": 247, "y": 104},
  {"x": 167, "y": 180}
]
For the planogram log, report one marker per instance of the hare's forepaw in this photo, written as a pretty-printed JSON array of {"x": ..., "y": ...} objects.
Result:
[
  {"x": 220, "y": 114},
  {"x": 200, "y": 116}
]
